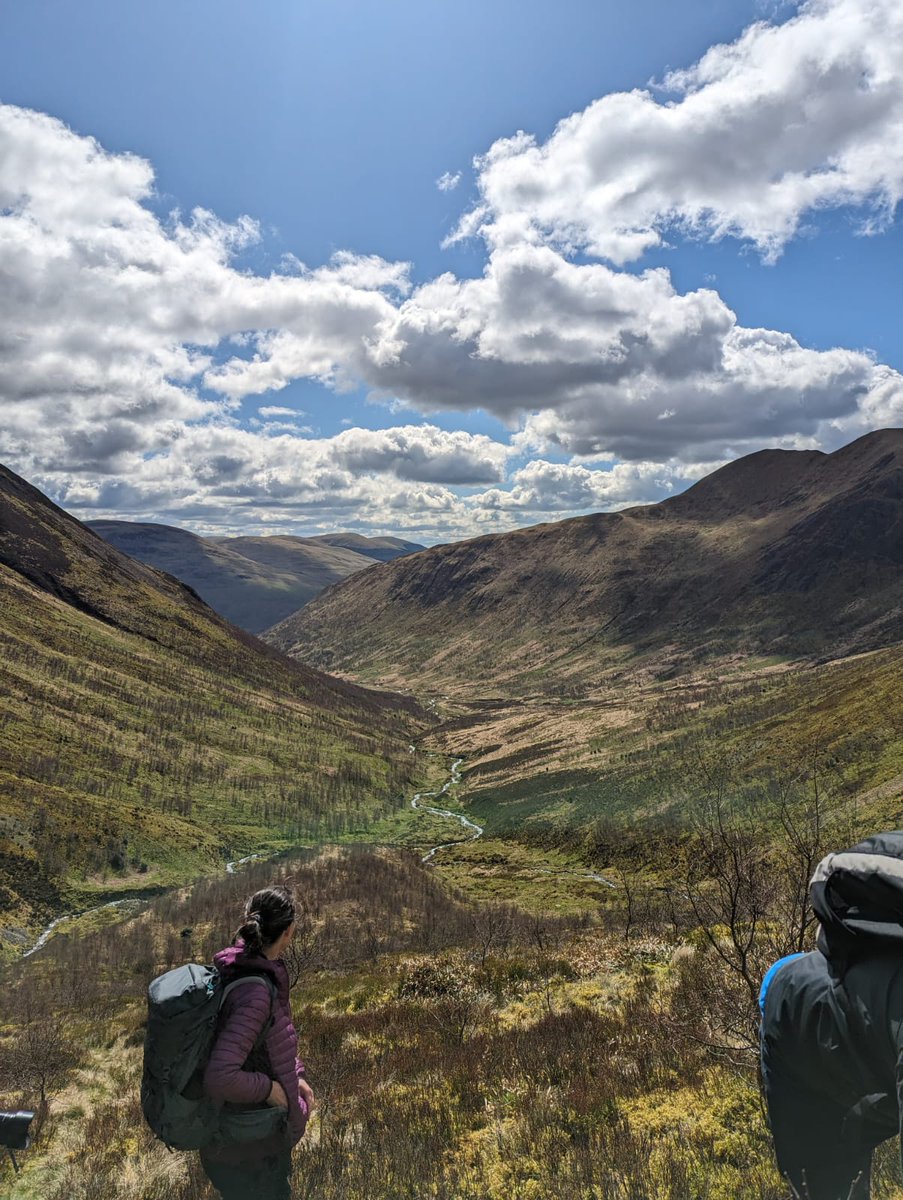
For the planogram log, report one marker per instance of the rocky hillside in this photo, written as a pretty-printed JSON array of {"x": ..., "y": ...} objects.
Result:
[
  {"x": 143, "y": 739},
  {"x": 787, "y": 553},
  {"x": 252, "y": 581}
]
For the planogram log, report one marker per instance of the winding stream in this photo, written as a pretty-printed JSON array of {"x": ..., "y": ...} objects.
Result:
[
  {"x": 453, "y": 779},
  {"x": 240, "y": 862},
  {"x": 127, "y": 902},
  {"x": 476, "y": 831}
]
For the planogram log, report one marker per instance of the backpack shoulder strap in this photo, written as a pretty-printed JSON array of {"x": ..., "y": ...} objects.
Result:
[
  {"x": 264, "y": 979},
  {"x": 267, "y": 982}
]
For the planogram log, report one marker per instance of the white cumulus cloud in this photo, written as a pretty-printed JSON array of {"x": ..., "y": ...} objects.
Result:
[
  {"x": 275, "y": 410},
  {"x": 422, "y": 452},
  {"x": 549, "y": 487},
  {"x": 128, "y": 340},
  {"x": 787, "y": 120},
  {"x": 587, "y": 359}
]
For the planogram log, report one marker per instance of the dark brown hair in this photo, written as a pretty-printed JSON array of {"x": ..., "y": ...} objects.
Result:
[{"x": 268, "y": 914}]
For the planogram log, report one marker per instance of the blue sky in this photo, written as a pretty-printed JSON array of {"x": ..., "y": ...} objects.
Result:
[{"x": 593, "y": 344}]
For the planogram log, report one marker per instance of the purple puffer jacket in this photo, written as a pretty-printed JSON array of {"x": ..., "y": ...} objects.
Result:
[{"x": 245, "y": 1012}]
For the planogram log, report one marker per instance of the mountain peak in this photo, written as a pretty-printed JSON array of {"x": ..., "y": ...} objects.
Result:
[
  {"x": 757, "y": 481},
  {"x": 769, "y": 480}
]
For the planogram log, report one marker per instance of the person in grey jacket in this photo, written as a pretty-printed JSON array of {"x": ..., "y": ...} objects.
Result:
[
  {"x": 832, "y": 1027},
  {"x": 273, "y": 1073}
]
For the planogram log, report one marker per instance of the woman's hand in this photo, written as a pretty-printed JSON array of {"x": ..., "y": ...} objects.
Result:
[
  {"x": 305, "y": 1094},
  {"x": 277, "y": 1097}
]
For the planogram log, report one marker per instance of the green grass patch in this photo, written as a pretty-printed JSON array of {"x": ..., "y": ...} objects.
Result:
[{"x": 535, "y": 879}]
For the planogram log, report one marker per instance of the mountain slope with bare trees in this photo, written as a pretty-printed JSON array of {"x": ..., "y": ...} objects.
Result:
[
  {"x": 143, "y": 739},
  {"x": 796, "y": 554}
]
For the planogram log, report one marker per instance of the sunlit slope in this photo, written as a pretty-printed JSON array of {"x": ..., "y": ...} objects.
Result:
[
  {"x": 586, "y": 775},
  {"x": 143, "y": 738},
  {"x": 787, "y": 553},
  {"x": 252, "y": 581},
  {"x": 382, "y": 549}
]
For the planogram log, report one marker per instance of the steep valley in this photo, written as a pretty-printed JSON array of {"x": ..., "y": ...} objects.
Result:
[
  {"x": 551, "y": 1008},
  {"x": 795, "y": 555},
  {"x": 598, "y": 674},
  {"x": 144, "y": 740}
]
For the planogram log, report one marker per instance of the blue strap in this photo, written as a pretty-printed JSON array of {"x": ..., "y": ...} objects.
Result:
[{"x": 770, "y": 974}]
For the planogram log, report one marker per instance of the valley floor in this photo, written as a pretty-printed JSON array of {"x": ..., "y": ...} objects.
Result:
[{"x": 540, "y": 1011}]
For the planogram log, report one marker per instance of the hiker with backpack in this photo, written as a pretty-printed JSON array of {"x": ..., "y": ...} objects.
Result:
[
  {"x": 254, "y": 1060},
  {"x": 221, "y": 1069},
  {"x": 832, "y": 1027}
]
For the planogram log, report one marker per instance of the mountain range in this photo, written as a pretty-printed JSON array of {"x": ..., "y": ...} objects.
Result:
[
  {"x": 254, "y": 582},
  {"x": 787, "y": 553},
  {"x": 144, "y": 739}
]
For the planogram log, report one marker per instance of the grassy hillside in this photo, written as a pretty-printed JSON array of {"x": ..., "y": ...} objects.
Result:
[
  {"x": 595, "y": 777},
  {"x": 790, "y": 553},
  {"x": 144, "y": 740},
  {"x": 382, "y": 549}
]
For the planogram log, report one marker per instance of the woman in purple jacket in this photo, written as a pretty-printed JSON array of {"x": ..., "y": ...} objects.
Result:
[{"x": 273, "y": 1074}]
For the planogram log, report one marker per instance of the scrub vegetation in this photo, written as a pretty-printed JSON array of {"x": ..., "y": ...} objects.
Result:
[
  {"x": 460, "y": 1049},
  {"x": 144, "y": 741},
  {"x": 580, "y": 776}
]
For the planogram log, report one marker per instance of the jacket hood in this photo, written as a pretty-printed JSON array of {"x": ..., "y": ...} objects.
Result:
[
  {"x": 235, "y": 959},
  {"x": 857, "y": 895}
]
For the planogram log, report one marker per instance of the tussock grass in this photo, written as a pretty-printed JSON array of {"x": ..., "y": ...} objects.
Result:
[{"x": 458, "y": 1050}]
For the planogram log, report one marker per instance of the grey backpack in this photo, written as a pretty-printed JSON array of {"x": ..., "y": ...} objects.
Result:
[{"x": 183, "y": 1008}]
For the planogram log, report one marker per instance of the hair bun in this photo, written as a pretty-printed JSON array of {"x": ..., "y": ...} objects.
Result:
[{"x": 268, "y": 913}]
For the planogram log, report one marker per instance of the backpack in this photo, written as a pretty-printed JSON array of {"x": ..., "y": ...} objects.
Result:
[{"x": 183, "y": 1008}]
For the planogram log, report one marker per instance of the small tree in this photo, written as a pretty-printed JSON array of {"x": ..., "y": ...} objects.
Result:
[
  {"x": 304, "y": 950},
  {"x": 491, "y": 927},
  {"x": 40, "y": 1055},
  {"x": 746, "y": 879}
]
